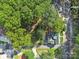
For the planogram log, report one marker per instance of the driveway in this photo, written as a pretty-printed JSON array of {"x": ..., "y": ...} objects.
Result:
[{"x": 4, "y": 56}]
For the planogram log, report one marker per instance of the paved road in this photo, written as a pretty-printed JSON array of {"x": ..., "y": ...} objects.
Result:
[{"x": 64, "y": 9}]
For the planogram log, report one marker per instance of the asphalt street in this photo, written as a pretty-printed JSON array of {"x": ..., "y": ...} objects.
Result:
[{"x": 64, "y": 9}]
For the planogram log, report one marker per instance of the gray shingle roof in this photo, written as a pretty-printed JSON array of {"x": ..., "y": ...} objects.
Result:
[{"x": 4, "y": 39}]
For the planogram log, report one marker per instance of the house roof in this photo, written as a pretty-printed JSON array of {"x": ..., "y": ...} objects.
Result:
[
  {"x": 1, "y": 47},
  {"x": 4, "y": 39},
  {"x": 43, "y": 46}
]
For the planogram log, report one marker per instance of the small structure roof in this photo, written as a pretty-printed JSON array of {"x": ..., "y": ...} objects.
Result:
[
  {"x": 44, "y": 47},
  {"x": 4, "y": 39}
]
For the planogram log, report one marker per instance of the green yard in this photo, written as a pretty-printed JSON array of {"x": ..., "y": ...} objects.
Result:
[{"x": 29, "y": 53}]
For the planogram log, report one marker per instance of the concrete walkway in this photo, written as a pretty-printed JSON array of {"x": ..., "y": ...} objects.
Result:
[{"x": 35, "y": 53}]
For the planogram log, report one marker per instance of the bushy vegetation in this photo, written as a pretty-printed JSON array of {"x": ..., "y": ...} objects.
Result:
[
  {"x": 58, "y": 53},
  {"x": 75, "y": 17},
  {"x": 25, "y": 21},
  {"x": 48, "y": 55},
  {"x": 29, "y": 54}
]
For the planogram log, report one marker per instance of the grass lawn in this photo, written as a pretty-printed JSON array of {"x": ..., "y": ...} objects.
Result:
[
  {"x": 29, "y": 53},
  {"x": 46, "y": 53},
  {"x": 40, "y": 51},
  {"x": 16, "y": 57},
  {"x": 61, "y": 40}
]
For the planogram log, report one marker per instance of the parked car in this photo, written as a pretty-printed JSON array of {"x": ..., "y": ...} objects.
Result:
[{"x": 1, "y": 49}]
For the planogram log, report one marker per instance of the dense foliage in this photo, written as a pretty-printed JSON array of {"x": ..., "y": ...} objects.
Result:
[
  {"x": 29, "y": 54},
  {"x": 75, "y": 17},
  {"x": 25, "y": 21},
  {"x": 49, "y": 55}
]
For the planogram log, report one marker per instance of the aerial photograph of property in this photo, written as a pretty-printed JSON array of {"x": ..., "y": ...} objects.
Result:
[{"x": 39, "y": 29}]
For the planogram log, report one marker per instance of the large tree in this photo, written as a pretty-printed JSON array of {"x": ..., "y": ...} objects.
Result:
[
  {"x": 75, "y": 17},
  {"x": 25, "y": 20}
]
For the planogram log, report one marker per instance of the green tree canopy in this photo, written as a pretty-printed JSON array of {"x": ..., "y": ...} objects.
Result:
[
  {"x": 22, "y": 19},
  {"x": 77, "y": 39}
]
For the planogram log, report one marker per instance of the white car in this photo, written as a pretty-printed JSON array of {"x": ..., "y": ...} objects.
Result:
[
  {"x": 3, "y": 56},
  {"x": 1, "y": 51}
]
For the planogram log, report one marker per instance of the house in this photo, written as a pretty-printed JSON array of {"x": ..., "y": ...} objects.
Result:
[
  {"x": 51, "y": 39},
  {"x": 22, "y": 56},
  {"x": 5, "y": 47},
  {"x": 3, "y": 55}
]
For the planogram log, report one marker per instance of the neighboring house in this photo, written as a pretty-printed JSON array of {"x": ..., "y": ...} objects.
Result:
[
  {"x": 51, "y": 39},
  {"x": 5, "y": 47},
  {"x": 22, "y": 56},
  {"x": 4, "y": 39}
]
